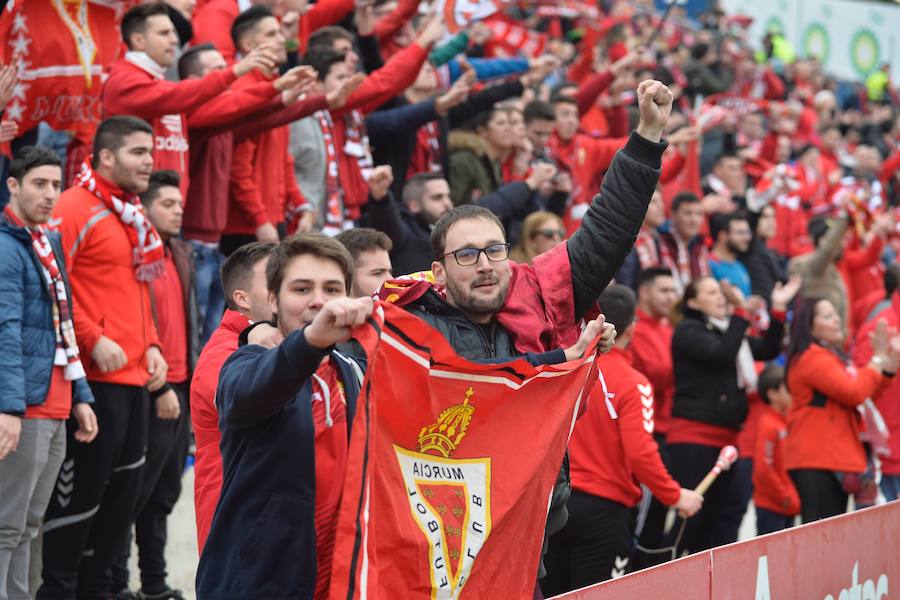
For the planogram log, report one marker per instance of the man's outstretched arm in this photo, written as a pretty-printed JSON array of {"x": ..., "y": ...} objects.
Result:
[{"x": 610, "y": 227}]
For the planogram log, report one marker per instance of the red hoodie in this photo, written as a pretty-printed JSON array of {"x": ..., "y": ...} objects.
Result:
[
  {"x": 612, "y": 447},
  {"x": 205, "y": 419},
  {"x": 651, "y": 355},
  {"x": 132, "y": 90},
  {"x": 772, "y": 487}
]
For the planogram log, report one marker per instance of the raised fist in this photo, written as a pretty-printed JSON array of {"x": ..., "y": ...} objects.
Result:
[{"x": 655, "y": 103}]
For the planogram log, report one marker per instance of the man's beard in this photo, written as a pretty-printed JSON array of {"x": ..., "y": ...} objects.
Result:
[
  {"x": 464, "y": 300},
  {"x": 735, "y": 250}
]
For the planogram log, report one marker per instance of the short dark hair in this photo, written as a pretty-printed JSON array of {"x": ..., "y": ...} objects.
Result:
[
  {"x": 322, "y": 58},
  {"x": 238, "y": 268},
  {"x": 135, "y": 20},
  {"x": 246, "y": 21},
  {"x": 891, "y": 279},
  {"x": 415, "y": 185},
  {"x": 32, "y": 157},
  {"x": 684, "y": 198},
  {"x": 158, "y": 180},
  {"x": 112, "y": 132},
  {"x": 720, "y": 222},
  {"x": 728, "y": 156},
  {"x": 618, "y": 304},
  {"x": 538, "y": 110},
  {"x": 189, "y": 63},
  {"x": 466, "y": 212},
  {"x": 650, "y": 274},
  {"x": 364, "y": 239},
  {"x": 315, "y": 244},
  {"x": 480, "y": 119},
  {"x": 558, "y": 90},
  {"x": 563, "y": 99},
  {"x": 326, "y": 36},
  {"x": 771, "y": 378},
  {"x": 818, "y": 226}
]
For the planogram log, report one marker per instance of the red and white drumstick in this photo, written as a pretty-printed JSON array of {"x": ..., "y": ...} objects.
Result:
[{"x": 727, "y": 456}]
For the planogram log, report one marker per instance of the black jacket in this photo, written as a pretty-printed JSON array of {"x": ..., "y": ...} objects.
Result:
[
  {"x": 764, "y": 268},
  {"x": 706, "y": 383}
]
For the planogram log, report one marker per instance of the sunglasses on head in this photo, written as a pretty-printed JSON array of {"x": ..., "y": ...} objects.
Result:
[{"x": 551, "y": 234}]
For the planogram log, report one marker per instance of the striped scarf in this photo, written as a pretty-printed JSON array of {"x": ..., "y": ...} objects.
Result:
[
  {"x": 66, "y": 354},
  {"x": 148, "y": 253}
]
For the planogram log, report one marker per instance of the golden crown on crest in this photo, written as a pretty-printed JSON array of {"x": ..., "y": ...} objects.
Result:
[{"x": 443, "y": 436}]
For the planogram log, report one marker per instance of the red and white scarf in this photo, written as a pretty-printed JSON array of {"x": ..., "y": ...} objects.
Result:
[
  {"x": 334, "y": 195},
  {"x": 66, "y": 354},
  {"x": 357, "y": 142},
  {"x": 148, "y": 252},
  {"x": 426, "y": 156}
]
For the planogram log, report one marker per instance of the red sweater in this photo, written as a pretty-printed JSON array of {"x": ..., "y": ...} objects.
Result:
[
  {"x": 586, "y": 159},
  {"x": 131, "y": 90},
  {"x": 262, "y": 177},
  {"x": 612, "y": 447},
  {"x": 107, "y": 299},
  {"x": 205, "y": 419},
  {"x": 888, "y": 402},
  {"x": 772, "y": 488},
  {"x": 826, "y": 394},
  {"x": 651, "y": 355}
]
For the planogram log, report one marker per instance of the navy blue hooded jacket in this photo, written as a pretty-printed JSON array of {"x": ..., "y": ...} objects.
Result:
[{"x": 262, "y": 543}]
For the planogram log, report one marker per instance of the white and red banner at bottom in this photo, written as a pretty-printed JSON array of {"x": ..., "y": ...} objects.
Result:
[
  {"x": 851, "y": 557},
  {"x": 451, "y": 467}
]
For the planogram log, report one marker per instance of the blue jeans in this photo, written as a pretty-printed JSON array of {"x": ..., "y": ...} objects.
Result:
[
  {"x": 890, "y": 487},
  {"x": 210, "y": 297}
]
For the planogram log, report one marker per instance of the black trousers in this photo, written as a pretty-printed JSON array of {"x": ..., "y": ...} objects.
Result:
[
  {"x": 821, "y": 494},
  {"x": 232, "y": 241},
  {"x": 742, "y": 493},
  {"x": 594, "y": 546},
  {"x": 711, "y": 526},
  {"x": 167, "y": 450},
  {"x": 768, "y": 521},
  {"x": 94, "y": 497},
  {"x": 652, "y": 531}
]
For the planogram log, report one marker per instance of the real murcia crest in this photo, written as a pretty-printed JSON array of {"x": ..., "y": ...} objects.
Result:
[{"x": 449, "y": 498}]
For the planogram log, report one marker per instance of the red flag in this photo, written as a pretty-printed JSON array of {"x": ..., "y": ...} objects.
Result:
[
  {"x": 61, "y": 48},
  {"x": 451, "y": 468}
]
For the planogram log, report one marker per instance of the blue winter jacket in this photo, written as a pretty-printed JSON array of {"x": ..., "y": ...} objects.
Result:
[
  {"x": 27, "y": 338},
  {"x": 262, "y": 542}
]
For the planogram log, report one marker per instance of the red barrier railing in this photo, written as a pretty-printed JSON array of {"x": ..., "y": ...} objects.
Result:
[{"x": 851, "y": 557}]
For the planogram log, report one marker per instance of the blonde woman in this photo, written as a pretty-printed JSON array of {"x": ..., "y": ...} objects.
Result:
[{"x": 541, "y": 231}]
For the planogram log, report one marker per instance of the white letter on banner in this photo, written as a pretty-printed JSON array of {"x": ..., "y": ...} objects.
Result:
[{"x": 762, "y": 579}]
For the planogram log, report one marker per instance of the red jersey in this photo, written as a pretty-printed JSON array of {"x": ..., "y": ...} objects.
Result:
[
  {"x": 168, "y": 296},
  {"x": 651, "y": 355},
  {"x": 58, "y": 404},
  {"x": 134, "y": 90},
  {"x": 772, "y": 487},
  {"x": 612, "y": 447}
]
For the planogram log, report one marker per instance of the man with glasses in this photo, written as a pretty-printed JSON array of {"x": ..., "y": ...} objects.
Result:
[{"x": 489, "y": 307}]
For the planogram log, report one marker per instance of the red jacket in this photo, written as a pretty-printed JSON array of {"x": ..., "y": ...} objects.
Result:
[
  {"x": 263, "y": 186},
  {"x": 651, "y": 354},
  {"x": 205, "y": 419},
  {"x": 888, "y": 402},
  {"x": 586, "y": 159},
  {"x": 212, "y": 148},
  {"x": 826, "y": 394},
  {"x": 397, "y": 74},
  {"x": 107, "y": 299},
  {"x": 130, "y": 90},
  {"x": 772, "y": 487},
  {"x": 862, "y": 268},
  {"x": 612, "y": 447}
]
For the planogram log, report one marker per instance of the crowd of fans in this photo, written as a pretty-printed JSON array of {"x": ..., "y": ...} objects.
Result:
[{"x": 758, "y": 306}]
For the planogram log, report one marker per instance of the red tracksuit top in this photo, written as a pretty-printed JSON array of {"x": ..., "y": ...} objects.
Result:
[
  {"x": 772, "y": 487},
  {"x": 205, "y": 419},
  {"x": 612, "y": 446},
  {"x": 131, "y": 90},
  {"x": 651, "y": 354}
]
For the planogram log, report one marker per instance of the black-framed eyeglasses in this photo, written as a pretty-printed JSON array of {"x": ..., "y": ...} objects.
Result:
[{"x": 466, "y": 257}]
